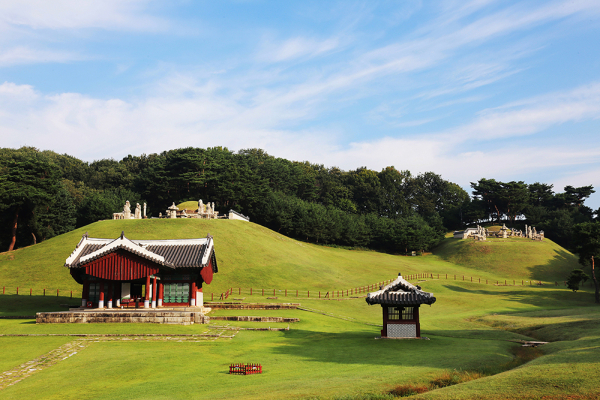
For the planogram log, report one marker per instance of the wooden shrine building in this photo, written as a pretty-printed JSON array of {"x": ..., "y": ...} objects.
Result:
[
  {"x": 124, "y": 272},
  {"x": 400, "y": 301}
]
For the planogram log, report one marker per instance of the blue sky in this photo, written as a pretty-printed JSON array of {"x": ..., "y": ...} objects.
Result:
[{"x": 467, "y": 89}]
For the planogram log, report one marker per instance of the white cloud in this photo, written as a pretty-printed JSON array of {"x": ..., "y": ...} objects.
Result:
[
  {"x": 23, "y": 55},
  {"x": 77, "y": 14},
  {"x": 533, "y": 115},
  {"x": 298, "y": 47}
]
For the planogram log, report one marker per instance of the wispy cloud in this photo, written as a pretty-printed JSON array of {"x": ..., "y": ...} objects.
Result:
[
  {"x": 298, "y": 47},
  {"x": 533, "y": 115},
  {"x": 23, "y": 55},
  {"x": 126, "y": 15}
]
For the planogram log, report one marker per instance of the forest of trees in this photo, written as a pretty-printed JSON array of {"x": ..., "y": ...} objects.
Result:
[{"x": 43, "y": 194}]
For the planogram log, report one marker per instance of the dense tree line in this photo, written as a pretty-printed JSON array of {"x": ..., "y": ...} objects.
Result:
[
  {"x": 559, "y": 215},
  {"x": 43, "y": 194}
]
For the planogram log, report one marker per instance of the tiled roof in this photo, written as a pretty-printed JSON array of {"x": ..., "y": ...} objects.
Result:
[
  {"x": 178, "y": 253},
  {"x": 400, "y": 292}
]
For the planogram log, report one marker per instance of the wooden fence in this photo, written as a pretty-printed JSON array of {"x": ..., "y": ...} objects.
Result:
[
  {"x": 245, "y": 369},
  {"x": 314, "y": 294}
]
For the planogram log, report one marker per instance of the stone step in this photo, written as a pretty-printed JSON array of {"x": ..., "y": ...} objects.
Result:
[{"x": 152, "y": 317}]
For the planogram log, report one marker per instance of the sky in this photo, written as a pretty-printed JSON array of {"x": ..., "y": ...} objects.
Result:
[{"x": 508, "y": 90}]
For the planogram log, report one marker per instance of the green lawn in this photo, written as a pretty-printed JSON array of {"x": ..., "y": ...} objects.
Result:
[{"x": 330, "y": 356}]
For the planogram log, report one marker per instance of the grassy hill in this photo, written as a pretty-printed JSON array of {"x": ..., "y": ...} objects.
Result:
[
  {"x": 512, "y": 257},
  {"x": 250, "y": 255}
]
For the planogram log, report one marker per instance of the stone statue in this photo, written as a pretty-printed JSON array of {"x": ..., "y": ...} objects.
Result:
[
  {"x": 200, "y": 207},
  {"x": 127, "y": 210},
  {"x": 138, "y": 211},
  {"x": 172, "y": 211},
  {"x": 144, "y": 210}
]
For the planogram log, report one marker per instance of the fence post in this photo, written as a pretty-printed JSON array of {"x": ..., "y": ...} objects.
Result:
[
  {"x": 319, "y": 294},
  {"x": 471, "y": 279},
  {"x": 308, "y": 294},
  {"x": 71, "y": 294},
  {"x": 212, "y": 296},
  {"x": 239, "y": 291},
  {"x": 57, "y": 292},
  {"x": 44, "y": 291},
  {"x": 30, "y": 291},
  {"x": 17, "y": 290},
  {"x": 250, "y": 291},
  {"x": 285, "y": 292}
]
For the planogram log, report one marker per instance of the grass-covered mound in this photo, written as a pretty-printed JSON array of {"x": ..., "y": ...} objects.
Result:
[
  {"x": 511, "y": 258},
  {"x": 188, "y": 205},
  {"x": 248, "y": 255}
]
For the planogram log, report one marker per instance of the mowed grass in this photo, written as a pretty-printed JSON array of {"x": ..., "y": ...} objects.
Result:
[
  {"x": 510, "y": 258},
  {"x": 470, "y": 327},
  {"x": 250, "y": 255},
  {"x": 336, "y": 355}
]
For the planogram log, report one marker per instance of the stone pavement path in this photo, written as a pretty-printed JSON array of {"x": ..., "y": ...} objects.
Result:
[{"x": 67, "y": 350}]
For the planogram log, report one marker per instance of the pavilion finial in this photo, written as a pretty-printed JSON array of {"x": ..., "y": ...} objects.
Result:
[{"x": 122, "y": 234}]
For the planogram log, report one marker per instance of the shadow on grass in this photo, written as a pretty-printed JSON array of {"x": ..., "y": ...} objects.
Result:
[
  {"x": 15, "y": 305},
  {"x": 557, "y": 269},
  {"x": 360, "y": 348},
  {"x": 545, "y": 297}
]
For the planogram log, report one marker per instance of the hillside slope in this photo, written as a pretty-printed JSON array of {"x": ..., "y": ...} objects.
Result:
[
  {"x": 250, "y": 255},
  {"x": 545, "y": 261}
]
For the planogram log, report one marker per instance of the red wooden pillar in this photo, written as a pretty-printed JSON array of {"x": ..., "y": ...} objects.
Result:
[
  {"x": 161, "y": 293},
  {"x": 101, "y": 301},
  {"x": 147, "y": 298},
  {"x": 85, "y": 293},
  {"x": 154, "y": 292},
  {"x": 193, "y": 290},
  {"x": 109, "y": 303}
]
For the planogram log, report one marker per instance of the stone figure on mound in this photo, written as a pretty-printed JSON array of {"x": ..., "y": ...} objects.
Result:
[
  {"x": 127, "y": 210},
  {"x": 138, "y": 211}
]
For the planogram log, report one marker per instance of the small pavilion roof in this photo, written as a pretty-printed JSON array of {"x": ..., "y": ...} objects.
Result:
[
  {"x": 400, "y": 292},
  {"x": 176, "y": 253}
]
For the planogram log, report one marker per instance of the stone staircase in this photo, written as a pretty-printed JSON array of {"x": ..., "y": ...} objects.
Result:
[{"x": 177, "y": 317}]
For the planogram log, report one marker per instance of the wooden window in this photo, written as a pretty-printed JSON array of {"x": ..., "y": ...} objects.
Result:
[
  {"x": 393, "y": 313},
  {"x": 408, "y": 313},
  {"x": 176, "y": 292}
]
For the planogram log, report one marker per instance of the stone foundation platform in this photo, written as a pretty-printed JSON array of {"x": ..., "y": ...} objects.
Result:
[{"x": 187, "y": 316}]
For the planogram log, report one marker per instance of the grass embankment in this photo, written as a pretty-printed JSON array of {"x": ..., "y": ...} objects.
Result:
[
  {"x": 322, "y": 356},
  {"x": 254, "y": 256},
  {"x": 510, "y": 258}
]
